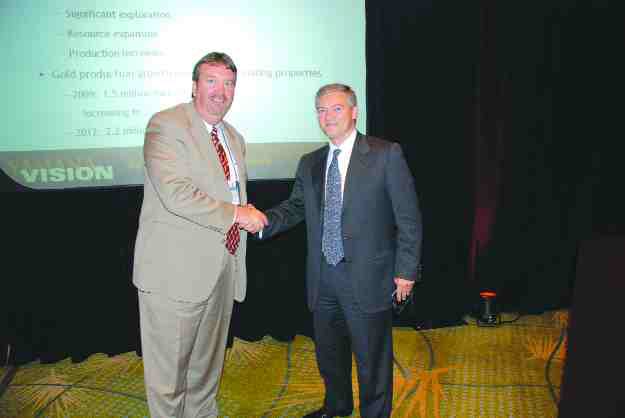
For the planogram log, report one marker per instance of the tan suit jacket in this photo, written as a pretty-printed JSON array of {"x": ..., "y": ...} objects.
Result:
[{"x": 186, "y": 209}]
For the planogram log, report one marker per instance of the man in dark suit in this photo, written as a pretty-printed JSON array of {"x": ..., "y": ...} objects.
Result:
[{"x": 363, "y": 224}]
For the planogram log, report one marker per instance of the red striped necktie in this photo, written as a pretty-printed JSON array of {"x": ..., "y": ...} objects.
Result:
[{"x": 233, "y": 235}]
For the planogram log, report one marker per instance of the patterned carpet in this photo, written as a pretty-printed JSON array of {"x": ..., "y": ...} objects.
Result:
[{"x": 511, "y": 370}]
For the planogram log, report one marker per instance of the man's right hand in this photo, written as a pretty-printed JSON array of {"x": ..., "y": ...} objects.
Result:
[{"x": 250, "y": 218}]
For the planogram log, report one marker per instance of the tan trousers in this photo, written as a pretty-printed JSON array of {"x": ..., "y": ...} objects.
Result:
[{"x": 183, "y": 347}]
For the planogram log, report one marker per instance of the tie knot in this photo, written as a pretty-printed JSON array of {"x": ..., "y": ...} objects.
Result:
[{"x": 336, "y": 153}]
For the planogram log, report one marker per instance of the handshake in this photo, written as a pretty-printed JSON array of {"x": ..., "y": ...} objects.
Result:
[{"x": 250, "y": 218}]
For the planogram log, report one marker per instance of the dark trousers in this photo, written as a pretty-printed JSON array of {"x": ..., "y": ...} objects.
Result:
[{"x": 342, "y": 327}]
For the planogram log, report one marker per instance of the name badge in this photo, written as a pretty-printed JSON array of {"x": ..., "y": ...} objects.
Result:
[{"x": 235, "y": 189}]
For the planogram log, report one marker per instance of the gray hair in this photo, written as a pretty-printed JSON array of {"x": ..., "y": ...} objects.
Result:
[{"x": 329, "y": 88}]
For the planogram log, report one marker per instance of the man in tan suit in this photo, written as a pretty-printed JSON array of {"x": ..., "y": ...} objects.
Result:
[{"x": 189, "y": 262}]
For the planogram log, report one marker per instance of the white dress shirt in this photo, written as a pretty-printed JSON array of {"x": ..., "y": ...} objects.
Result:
[
  {"x": 232, "y": 164},
  {"x": 346, "y": 153}
]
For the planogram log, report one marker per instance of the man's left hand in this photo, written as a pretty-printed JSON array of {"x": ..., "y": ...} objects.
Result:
[{"x": 404, "y": 287}]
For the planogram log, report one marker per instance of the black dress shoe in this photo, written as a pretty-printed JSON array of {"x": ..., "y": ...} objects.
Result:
[{"x": 322, "y": 413}]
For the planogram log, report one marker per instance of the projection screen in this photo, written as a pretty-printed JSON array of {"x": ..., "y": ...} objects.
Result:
[{"x": 82, "y": 78}]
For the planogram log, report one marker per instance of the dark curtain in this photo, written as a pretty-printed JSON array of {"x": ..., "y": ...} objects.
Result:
[
  {"x": 544, "y": 140},
  {"x": 420, "y": 75}
]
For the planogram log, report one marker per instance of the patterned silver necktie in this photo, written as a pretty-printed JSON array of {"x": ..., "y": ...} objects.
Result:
[{"x": 332, "y": 240}]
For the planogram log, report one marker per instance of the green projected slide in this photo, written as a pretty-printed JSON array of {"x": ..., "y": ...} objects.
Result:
[{"x": 82, "y": 78}]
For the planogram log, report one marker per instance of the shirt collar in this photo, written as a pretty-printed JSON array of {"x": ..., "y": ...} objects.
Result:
[
  {"x": 209, "y": 127},
  {"x": 348, "y": 144}
]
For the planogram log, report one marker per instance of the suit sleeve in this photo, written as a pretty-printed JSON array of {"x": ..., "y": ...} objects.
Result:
[
  {"x": 400, "y": 184},
  {"x": 168, "y": 171},
  {"x": 291, "y": 211}
]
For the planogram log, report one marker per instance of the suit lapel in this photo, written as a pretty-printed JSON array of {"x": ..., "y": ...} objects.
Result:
[
  {"x": 356, "y": 171},
  {"x": 201, "y": 137},
  {"x": 318, "y": 173},
  {"x": 202, "y": 141}
]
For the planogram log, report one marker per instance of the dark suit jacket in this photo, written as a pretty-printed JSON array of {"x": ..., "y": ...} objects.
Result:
[{"x": 381, "y": 221}]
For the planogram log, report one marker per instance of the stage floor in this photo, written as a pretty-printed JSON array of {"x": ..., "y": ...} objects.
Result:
[{"x": 512, "y": 370}]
